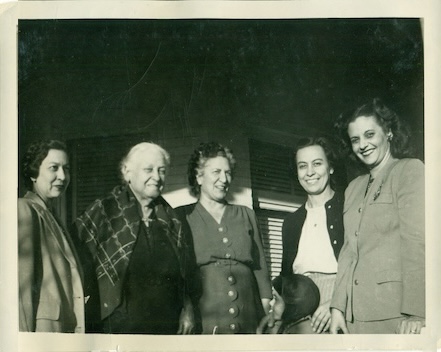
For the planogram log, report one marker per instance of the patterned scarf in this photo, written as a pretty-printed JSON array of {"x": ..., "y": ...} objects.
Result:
[{"x": 109, "y": 228}]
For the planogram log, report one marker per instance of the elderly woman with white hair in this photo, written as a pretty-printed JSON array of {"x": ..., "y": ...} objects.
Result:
[{"x": 137, "y": 257}]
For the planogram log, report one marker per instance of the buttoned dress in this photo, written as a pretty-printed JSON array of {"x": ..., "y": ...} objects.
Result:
[
  {"x": 381, "y": 269},
  {"x": 51, "y": 295},
  {"x": 232, "y": 269}
]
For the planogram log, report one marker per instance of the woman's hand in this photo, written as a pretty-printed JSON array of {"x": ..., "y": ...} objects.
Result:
[
  {"x": 186, "y": 319},
  {"x": 338, "y": 322},
  {"x": 268, "y": 322},
  {"x": 411, "y": 325},
  {"x": 321, "y": 319},
  {"x": 266, "y": 305}
]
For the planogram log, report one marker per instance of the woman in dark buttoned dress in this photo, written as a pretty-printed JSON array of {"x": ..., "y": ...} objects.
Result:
[{"x": 235, "y": 284}]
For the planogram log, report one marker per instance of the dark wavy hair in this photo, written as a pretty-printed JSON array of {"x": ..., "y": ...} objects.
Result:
[
  {"x": 386, "y": 118},
  {"x": 198, "y": 159},
  {"x": 34, "y": 156},
  {"x": 328, "y": 147}
]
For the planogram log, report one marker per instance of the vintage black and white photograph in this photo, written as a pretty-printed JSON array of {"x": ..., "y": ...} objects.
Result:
[{"x": 222, "y": 176}]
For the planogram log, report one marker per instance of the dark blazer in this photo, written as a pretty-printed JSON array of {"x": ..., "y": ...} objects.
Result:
[
  {"x": 292, "y": 230},
  {"x": 382, "y": 263}
]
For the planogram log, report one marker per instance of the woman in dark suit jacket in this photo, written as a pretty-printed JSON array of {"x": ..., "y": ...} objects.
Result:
[
  {"x": 380, "y": 285},
  {"x": 49, "y": 275}
]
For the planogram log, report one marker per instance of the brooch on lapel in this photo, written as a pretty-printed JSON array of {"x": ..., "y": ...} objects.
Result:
[{"x": 378, "y": 191}]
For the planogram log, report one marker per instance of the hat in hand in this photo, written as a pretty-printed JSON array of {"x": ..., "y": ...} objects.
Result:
[{"x": 300, "y": 294}]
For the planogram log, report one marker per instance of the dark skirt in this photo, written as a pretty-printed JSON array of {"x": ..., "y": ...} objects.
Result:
[{"x": 230, "y": 302}]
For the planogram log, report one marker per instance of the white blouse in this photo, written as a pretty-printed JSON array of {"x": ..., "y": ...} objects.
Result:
[{"x": 315, "y": 253}]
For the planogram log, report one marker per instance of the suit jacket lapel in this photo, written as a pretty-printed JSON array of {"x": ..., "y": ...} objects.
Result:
[{"x": 69, "y": 253}]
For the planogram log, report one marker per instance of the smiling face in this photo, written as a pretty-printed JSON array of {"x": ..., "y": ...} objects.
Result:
[
  {"x": 146, "y": 174},
  {"x": 53, "y": 175},
  {"x": 215, "y": 179},
  {"x": 369, "y": 141},
  {"x": 313, "y": 170}
]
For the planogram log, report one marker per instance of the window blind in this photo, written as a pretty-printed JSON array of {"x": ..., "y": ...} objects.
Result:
[{"x": 276, "y": 192}]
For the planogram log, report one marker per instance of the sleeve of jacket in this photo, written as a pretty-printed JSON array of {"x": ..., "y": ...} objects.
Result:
[
  {"x": 345, "y": 262},
  {"x": 410, "y": 199},
  {"x": 289, "y": 248},
  {"x": 260, "y": 272},
  {"x": 26, "y": 265},
  {"x": 193, "y": 285},
  {"x": 86, "y": 249},
  {"x": 84, "y": 235}
]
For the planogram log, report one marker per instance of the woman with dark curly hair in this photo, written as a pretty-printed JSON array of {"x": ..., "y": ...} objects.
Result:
[
  {"x": 312, "y": 236},
  {"x": 49, "y": 275},
  {"x": 236, "y": 289},
  {"x": 380, "y": 285}
]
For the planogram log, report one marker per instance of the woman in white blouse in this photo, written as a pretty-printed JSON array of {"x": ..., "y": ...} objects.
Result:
[{"x": 313, "y": 235}]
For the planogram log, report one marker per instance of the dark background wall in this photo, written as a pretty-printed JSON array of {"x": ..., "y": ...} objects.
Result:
[{"x": 85, "y": 77}]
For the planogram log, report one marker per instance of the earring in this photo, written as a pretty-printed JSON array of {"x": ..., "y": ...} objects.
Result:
[
  {"x": 33, "y": 180},
  {"x": 390, "y": 135}
]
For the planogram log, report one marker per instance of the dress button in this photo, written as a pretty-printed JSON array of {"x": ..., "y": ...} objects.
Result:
[
  {"x": 231, "y": 310},
  {"x": 359, "y": 210},
  {"x": 335, "y": 242},
  {"x": 356, "y": 282},
  {"x": 231, "y": 279},
  {"x": 233, "y": 326},
  {"x": 232, "y": 294},
  {"x": 331, "y": 227},
  {"x": 228, "y": 255},
  {"x": 329, "y": 206},
  {"x": 225, "y": 240},
  {"x": 221, "y": 229}
]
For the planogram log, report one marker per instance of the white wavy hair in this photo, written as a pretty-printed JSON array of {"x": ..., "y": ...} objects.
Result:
[{"x": 144, "y": 147}]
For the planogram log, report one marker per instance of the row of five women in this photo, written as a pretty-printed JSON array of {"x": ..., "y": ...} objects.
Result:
[{"x": 374, "y": 284}]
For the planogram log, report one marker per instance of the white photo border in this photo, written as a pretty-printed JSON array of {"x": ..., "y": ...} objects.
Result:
[{"x": 11, "y": 340}]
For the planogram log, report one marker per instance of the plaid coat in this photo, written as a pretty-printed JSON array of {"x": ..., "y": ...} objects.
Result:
[{"x": 109, "y": 229}]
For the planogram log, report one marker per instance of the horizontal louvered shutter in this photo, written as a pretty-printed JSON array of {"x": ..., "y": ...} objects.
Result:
[
  {"x": 276, "y": 192},
  {"x": 270, "y": 223},
  {"x": 270, "y": 167}
]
